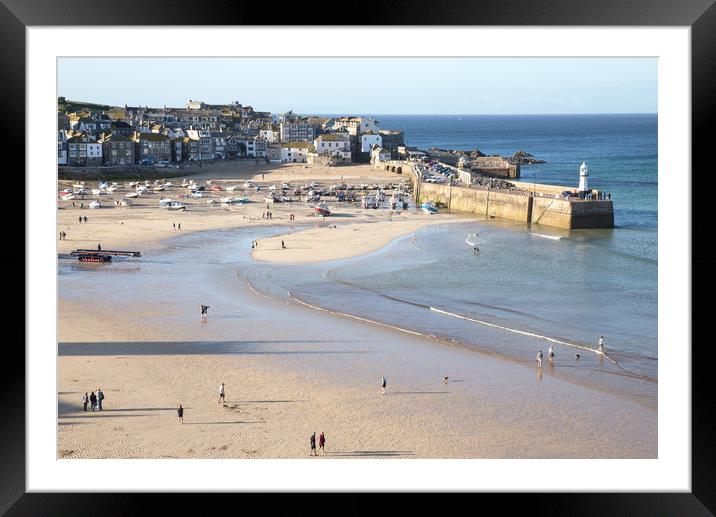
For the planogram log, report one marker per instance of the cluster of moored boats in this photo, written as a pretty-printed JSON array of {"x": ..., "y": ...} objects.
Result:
[{"x": 371, "y": 196}]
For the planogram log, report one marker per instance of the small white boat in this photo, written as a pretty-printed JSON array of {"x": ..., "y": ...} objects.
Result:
[
  {"x": 231, "y": 188},
  {"x": 197, "y": 194},
  {"x": 79, "y": 185},
  {"x": 193, "y": 186},
  {"x": 165, "y": 201},
  {"x": 133, "y": 184},
  {"x": 95, "y": 204},
  {"x": 111, "y": 189},
  {"x": 80, "y": 191},
  {"x": 168, "y": 184},
  {"x": 69, "y": 196},
  {"x": 97, "y": 192},
  {"x": 132, "y": 195},
  {"x": 141, "y": 189},
  {"x": 126, "y": 202},
  {"x": 175, "y": 205},
  {"x": 158, "y": 188},
  {"x": 369, "y": 202},
  {"x": 429, "y": 207},
  {"x": 103, "y": 185},
  {"x": 322, "y": 209}
]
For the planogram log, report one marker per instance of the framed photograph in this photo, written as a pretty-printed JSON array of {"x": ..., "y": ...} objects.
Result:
[{"x": 445, "y": 253}]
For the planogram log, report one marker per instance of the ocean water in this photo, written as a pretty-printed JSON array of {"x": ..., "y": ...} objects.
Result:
[
  {"x": 529, "y": 288},
  {"x": 525, "y": 291}
]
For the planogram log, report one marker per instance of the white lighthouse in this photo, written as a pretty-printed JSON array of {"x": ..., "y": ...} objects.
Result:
[{"x": 583, "y": 175}]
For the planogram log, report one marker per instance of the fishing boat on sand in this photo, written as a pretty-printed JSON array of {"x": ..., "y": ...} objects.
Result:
[
  {"x": 429, "y": 207},
  {"x": 322, "y": 209},
  {"x": 95, "y": 204},
  {"x": 175, "y": 205},
  {"x": 132, "y": 195}
]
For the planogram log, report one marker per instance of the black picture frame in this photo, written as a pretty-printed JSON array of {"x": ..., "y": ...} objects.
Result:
[{"x": 700, "y": 15}]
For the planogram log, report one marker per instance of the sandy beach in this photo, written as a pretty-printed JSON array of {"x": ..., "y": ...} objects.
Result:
[{"x": 289, "y": 370}]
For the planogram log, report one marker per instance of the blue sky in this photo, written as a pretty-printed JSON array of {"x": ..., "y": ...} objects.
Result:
[{"x": 371, "y": 85}]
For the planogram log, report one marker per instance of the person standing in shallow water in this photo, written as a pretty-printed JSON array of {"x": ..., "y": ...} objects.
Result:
[
  {"x": 180, "y": 414},
  {"x": 601, "y": 344},
  {"x": 539, "y": 359}
]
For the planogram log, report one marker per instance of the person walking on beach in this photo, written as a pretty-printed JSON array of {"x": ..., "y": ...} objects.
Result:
[
  {"x": 222, "y": 394},
  {"x": 85, "y": 218},
  {"x": 601, "y": 344},
  {"x": 100, "y": 398},
  {"x": 180, "y": 414},
  {"x": 383, "y": 384},
  {"x": 550, "y": 352},
  {"x": 93, "y": 400},
  {"x": 283, "y": 245},
  {"x": 99, "y": 247},
  {"x": 313, "y": 445},
  {"x": 174, "y": 226},
  {"x": 322, "y": 441},
  {"x": 204, "y": 311},
  {"x": 179, "y": 226},
  {"x": 80, "y": 218},
  {"x": 539, "y": 359},
  {"x": 85, "y": 400}
]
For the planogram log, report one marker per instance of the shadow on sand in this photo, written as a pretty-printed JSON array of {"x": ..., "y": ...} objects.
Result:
[
  {"x": 197, "y": 347},
  {"x": 370, "y": 454}
]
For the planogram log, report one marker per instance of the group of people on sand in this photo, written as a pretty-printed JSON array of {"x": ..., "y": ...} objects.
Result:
[
  {"x": 63, "y": 235},
  {"x": 81, "y": 218},
  {"x": 267, "y": 214},
  {"x": 321, "y": 443},
  {"x": 94, "y": 400},
  {"x": 550, "y": 352},
  {"x": 176, "y": 226}
]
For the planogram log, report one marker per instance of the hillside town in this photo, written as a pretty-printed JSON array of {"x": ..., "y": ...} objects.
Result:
[{"x": 93, "y": 135}]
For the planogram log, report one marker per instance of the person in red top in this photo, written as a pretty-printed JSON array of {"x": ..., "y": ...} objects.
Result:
[{"x": 321, "y": 441}]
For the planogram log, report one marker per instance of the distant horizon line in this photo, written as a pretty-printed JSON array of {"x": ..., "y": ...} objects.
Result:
[{"x": 358, "y": 114}]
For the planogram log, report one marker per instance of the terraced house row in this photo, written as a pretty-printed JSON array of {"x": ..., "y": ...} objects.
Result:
[{"x": 95, "y": 135}]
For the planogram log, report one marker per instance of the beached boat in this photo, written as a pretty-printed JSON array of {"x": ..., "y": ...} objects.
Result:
[
  {"x": 67, "y": 197},
  {"x": 429, "y": 207},
  {"x": 369, "y": 202},
  {"x": 97, "y": 192},
  {"x": 94, "y": 257},
  {"x": 141, "y": 189},
  {"x": 175, "y": 205},
  {"x": 80, "y": 192},
  {"x": 158, "y": 188},
  {"x": 79, "y": 185},
  {"x": 165, "y": 201},
  {"x": 132, "y": 195},
  {"x": 111, "y": 189},
  {"x": 322, "y": 209},
  {"x": 231, "y": 188},
  {"x": 216, "y": 187},
  {"x": 270, "y": 198},
  {"x": 197, "y": 194},
  {"x": 168, "y": 184},
  {"x": 95, "y": 204},
  {"x": 126, "y": 202}
]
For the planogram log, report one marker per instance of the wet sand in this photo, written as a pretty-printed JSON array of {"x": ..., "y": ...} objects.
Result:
[{"x": 289, "y": 370}]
